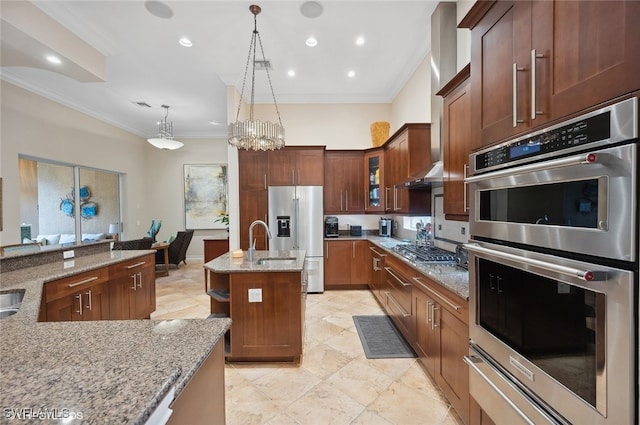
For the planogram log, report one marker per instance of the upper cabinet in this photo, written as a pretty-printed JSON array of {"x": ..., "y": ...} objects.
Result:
[
  {"x": 374, "y": 170},
  {"x": 343, "y": 189},
  {"x": 407, "y": 155},
  {"x": 299, "y": 166},
  {"x": 254, "y": 204},
  {"x": 456, "y": 144},
  {"x": 537, "y": 61}
]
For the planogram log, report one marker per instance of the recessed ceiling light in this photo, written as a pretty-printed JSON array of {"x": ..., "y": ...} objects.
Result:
[
  {"x": 360, "y": 41},
  {"x": 351, "y": 74},
  {"x": 53, "y": 59},
  {"x": 291, "y": 73},
  {"x": 311, "y": 42},
  {"x": 184, "y": 41}
]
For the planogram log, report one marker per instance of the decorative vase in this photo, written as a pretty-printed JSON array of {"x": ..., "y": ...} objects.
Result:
[{"x": 379, "y": 132}]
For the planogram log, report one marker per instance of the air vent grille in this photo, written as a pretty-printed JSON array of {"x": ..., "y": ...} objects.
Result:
[{"x": 263, "y": 65}]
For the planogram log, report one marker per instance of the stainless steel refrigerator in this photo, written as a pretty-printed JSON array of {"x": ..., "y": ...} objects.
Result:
[{"x": 295, "y": 222}]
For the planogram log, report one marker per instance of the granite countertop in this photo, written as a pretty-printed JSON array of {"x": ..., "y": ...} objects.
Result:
[
  {"x": 452, "y": 277},
  {"x": 294, "y": 262},
  {"x": 108, "y": 371}
]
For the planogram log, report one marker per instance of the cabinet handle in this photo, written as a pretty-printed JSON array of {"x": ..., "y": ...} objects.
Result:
[
  {"x": 90, "y": 305},
  {"x": 395, "y": 199},
  {"x": 429, "y": 311},
  {"x": 515, "y": 95},
  {"x": 346, "y": 200},
  {"x": 265, "y": 181},
  {"x": 465, "y": 204},
  {"x": 376, "y": 252},
  {"x": 534, "y": 56},
  {"x": 326, "y": 249},
  {"x": 340, "y": 200},
  {"x": 79, "y": 297},
  {"x": 386, "y": 197},
  {"x": 395, "y": 276},
  {"x": 134, "y": 277},
  {"x": 133, "y": 266},
  {"x": 140, "y": 280},
  {"x": 82, "y": 282},
  {"x": 434, "y": 325},
  {"x": 353, "y": 250},
  {"x": 398, "y": 306},
  {"x": 375, "y": 264},
  {"x": 422, "y": 285}
]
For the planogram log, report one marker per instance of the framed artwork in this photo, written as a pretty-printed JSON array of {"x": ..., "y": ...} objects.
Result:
[{"x": 205, "y": 195}]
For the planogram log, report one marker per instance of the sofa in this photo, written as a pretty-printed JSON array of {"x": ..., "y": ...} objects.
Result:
[{"x": 64, "y": 238}]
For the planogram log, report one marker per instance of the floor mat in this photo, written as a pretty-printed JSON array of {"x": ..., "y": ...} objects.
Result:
[{"x": 381, "y": 339}]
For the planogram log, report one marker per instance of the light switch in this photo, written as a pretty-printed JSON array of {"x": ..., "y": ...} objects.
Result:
[{"x": 255, "y": 295}]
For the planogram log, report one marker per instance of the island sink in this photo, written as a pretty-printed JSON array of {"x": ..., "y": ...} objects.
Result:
[
  {"x": 291, "y": 261},
  {"x": 10, "y": 302}
]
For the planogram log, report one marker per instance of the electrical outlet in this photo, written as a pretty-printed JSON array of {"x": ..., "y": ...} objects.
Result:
[
  {"x": 463, "y": 230},
  {"x": 255, "y": 295},
  {"x": 68, "y": 254},
  {"x": 439, "y": 226}
]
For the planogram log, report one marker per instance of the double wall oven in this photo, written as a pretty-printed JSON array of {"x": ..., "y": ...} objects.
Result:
[{"x": 553, "y": 269}]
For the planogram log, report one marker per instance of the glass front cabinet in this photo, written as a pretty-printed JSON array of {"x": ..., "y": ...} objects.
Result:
[{"x": 374, "y": 180}]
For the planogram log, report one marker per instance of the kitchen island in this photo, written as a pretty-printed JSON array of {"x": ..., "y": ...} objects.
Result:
[
  {"x": 104, "y": 371},
  {"x": 265, "y": 298}
]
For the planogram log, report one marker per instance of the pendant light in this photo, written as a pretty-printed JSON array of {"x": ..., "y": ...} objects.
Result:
[
  {"x": 254, "y": 134},
  {"x": 165, "y": 138}
]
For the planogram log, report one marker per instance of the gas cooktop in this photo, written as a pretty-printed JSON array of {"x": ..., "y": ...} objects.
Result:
[{"x": 421, "y": 254}]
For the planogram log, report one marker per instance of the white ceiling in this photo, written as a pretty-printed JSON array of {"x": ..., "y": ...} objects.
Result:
[{"x": 145, "y": 63}]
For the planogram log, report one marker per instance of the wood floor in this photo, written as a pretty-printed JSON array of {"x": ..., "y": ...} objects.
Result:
[{"x": 335, "y": 383}]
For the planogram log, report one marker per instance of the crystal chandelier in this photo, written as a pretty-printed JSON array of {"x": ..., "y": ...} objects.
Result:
[
  {"x": 254, "y": 134},
  {"x": 165, "y": 138}
]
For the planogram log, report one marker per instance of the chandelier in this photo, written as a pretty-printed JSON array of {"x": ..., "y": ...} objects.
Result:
[
  {"x": 254, "y": 134},
  {"x": 165, "y": 138}
]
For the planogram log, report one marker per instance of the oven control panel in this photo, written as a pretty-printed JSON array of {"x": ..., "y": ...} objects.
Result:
[{"x": 606, "y": 125}]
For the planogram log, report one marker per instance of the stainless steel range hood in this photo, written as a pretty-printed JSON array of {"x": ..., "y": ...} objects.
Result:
[{"x": 431, "y": 178}]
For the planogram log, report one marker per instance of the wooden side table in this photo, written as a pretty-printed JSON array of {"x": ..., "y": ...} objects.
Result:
[{"x": 164, "y": 246}]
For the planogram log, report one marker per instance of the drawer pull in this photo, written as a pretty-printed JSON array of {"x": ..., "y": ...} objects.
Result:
[
  {"x": 82, "y": 282},
  {"x": 398, "y": 306},
  {"x": 79, "y": 298},
  {"x": 396, "y": 277},
  {"x": 141, "y": 263},
  {"x": 452, "y": 305},
  {"x": 376, "y": 252},
  {"x": 90, "y": 306}
]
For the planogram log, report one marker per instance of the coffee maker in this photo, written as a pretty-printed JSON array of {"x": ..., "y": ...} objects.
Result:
[
  {"x": 385, "y": 227},
  {"x": 331, "y": 227}
]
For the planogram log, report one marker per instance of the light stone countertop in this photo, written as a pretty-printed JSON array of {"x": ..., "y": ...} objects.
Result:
[
  {"x": 109, "y": 371},
  {"x": 227, "y": 264}
]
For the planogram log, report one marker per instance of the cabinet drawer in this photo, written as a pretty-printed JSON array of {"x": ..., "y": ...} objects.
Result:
[
  {"x": 132, "y": 266},
  {"x": 60, "y": 288}
]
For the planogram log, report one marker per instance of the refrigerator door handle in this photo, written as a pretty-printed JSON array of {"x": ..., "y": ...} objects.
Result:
[{"x": 296, "y": 228}]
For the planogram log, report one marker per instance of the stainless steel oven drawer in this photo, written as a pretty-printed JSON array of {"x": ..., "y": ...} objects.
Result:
[{"x": 500, "y": 398}]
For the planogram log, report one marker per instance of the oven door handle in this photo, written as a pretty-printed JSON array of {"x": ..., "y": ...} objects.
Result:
[
  {"x": 585, "y": 158},
  {"x": 585, "y": 275}
]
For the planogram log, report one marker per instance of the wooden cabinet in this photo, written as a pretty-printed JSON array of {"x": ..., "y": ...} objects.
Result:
[
  {"x": 296, "y": 166},
  {"x": 442, "y": 340},
  {"x": 537, "y": 61},
  {"x": 346, "y": 263},
  {"x": 398, "y": 295},
  {"x": 214, "y": 248},
  {"x": 343, "y": 189},
  {"x": 132, "y": 289},
  {"x": 253, "y": 168},
  {"x": 456, "y": 144},
  {"x": 374, "y": 181},
  {"x": 270, "y": 328},
  {"x": 79, "y": 297},
  {"x": 477, "y": 416},
  {"x": 407, "y": 155},
  {"x": 376, "y": 283}
]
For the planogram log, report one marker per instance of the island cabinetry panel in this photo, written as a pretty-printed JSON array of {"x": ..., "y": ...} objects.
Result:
[
  {"x": 202, "y": 401},
  {"x": 538, "y": 61},
  {"x": 346, "y": 264},
  {"x": 266, "y": 309},
  {"x": 456, "y": 144},
  {"x": 79, "y": 297},
  {"x": 254, "y": 196},
  {"x": 132, "y": 288},
  {"x": 296, "y": 166},
  {"x": 374, "y": 177},
  {"x": 214, "y": 248},
  {"x": 442, "y": 340},
  {"x": 343, "y": 189},
  {"x": 407, "y": 155}
]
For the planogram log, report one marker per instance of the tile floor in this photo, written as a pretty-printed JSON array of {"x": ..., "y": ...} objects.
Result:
[{"x": 334, "y": 384}]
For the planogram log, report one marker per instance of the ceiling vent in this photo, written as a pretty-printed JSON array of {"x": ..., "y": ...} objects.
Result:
[
  {"x": 263, "y": 65},
  {"x": 143, "y": 104}
]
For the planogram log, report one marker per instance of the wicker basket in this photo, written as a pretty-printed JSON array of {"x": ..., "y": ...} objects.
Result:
[{"x": 379, "y": 133}]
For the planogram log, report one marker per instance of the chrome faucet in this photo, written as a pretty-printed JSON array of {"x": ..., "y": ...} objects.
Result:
[{"x": 252, "y": 242}]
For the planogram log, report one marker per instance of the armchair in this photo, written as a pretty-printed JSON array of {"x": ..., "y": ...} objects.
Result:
[
  {"x": 177, "y": 249},
  {"x": 143, "y": 243}
]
